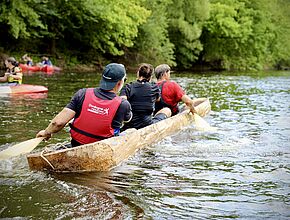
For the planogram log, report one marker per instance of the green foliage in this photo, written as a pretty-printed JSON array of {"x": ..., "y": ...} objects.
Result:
[
  {"x": 111, "y": 25},
  {"x": 152, "y": 44},
  {"x": 185, "y": 27},
  {"x": 240, "y": 33},
  {"x": 20, "y": 19},
  {"x": 104, "y": 25},
  {"x": 280, "y": 47}
]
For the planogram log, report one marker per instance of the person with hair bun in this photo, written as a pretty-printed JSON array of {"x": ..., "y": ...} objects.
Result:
[
  {"x": 142, "y": 95},
  {"x": 13, "y": 75}
]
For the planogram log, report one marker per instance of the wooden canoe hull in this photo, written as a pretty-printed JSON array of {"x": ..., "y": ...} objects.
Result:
[{"x": 105, "y": 155}]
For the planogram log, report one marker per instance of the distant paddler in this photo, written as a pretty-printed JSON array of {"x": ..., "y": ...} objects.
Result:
[
  {"x": 27, "y": 59},
  {"x": 45, "y": 61},
  {"x": 13, "y": 74}
]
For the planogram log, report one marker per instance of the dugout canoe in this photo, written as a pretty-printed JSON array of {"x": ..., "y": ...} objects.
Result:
[
  {"x": 106, "y": 154},
  {"x": 22, "y": 89}
]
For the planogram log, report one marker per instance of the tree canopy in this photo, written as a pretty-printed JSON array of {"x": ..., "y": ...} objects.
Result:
[{"x": 238, "y": 34}]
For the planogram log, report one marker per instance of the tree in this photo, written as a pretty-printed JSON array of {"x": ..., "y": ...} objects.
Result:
[
  {"x": 106, "y": 26},
  {"x": 19, "y": 19},
  {"x": 152, "y": 43},
  {"x": 185, "y": 27},
  {"x": 280, "y": 46},
  {"x": 241, "y": 34}
]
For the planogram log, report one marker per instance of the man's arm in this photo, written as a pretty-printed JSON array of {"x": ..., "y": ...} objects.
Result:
[
  {"x": 189, "y": 102},
  {"x": 17, "y": 76},
  {"x": 57, "y": 123},
  {"x": 4, "y": 78},
  {"x": 125, "y": 91},
  {"x": 202, "y": 111}
]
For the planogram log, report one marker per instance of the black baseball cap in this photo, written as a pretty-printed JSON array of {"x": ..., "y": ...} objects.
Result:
[{"x": 112, "y": 73}]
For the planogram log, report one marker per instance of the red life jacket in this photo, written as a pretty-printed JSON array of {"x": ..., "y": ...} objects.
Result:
[{"x": 95, "y": 120}]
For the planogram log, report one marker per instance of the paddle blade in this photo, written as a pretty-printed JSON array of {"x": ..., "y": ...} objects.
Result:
[
  {"x": 201, "y": 124},
  {"x": 21, "y": 148}
]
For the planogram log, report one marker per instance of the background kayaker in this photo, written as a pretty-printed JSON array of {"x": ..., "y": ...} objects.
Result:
[
  {"x": 142, "y": 95},
  {"x": 45, "y": 61},
  {"x": 13, "y": 74},
  {"x": 28, "y": 60},
  {"x": 171, "y": 92},
  {"x": 98, "y": 113}
]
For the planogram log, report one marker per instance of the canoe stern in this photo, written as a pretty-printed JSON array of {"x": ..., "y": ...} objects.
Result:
[{"x": 83, "y": 158}]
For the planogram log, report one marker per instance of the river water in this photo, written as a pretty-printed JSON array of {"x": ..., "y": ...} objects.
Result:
[{"x": 240, "y": 171}]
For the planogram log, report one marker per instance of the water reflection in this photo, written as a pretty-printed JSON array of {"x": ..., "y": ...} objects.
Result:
[{"x": 17, "y": 112}]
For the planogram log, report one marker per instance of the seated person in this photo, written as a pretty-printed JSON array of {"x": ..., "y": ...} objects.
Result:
[
  {"x": 46, "y": 61},
  {"x": 13, "y": 75},
  {"x": 28, "y": 60},
  {"x": 142, "y": 96},
  {"x": 171, "y": 92},
  {"x": 97, "y": 113}
]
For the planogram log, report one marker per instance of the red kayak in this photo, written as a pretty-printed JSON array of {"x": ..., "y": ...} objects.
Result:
[
  {"x": 47, "y": 69},
  {"x": 25, "y": 68},
  {"x": 22, "y": 89}
]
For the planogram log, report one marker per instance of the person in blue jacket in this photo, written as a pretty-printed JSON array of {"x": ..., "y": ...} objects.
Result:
[
  {"x": 28, "y": 60},
  {"x": 46, "y": 61}
]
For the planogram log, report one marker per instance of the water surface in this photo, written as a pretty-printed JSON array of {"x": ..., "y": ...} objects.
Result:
[{"x": 240, "y": 171}]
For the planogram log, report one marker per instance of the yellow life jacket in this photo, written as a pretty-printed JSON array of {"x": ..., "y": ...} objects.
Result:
[{"x": 15, "y": 71}]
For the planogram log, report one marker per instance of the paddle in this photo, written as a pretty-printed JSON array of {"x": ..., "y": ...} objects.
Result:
[
  {"x": 20, "y": 148},
  {"x": 201, "y": 124}
]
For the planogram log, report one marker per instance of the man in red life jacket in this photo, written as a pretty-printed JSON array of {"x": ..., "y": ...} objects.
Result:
[
  {"x": 98, "y": 113},
  {"x": 171, "y": 92}
]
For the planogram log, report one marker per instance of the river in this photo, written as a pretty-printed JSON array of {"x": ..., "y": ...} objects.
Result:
[{"x": 240, "y": 171}]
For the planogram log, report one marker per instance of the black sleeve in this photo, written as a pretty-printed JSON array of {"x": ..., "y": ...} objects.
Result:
[
  {"x": 123, "y": 114},
  {"x": 125, "y": 91},
  {"x": 76, "y": 102},
  {"x": 155, "y": 90}
]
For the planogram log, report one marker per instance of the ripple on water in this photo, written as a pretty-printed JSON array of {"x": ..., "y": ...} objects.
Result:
[{"x": 239, "y": 171}]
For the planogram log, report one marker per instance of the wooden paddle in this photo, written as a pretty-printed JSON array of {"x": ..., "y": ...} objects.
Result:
[
  {"x": 20, "y": 148},
  {"x": 201, "y": 124}
]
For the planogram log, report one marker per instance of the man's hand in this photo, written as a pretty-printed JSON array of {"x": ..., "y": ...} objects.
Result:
[
  {"x": 205, "y": 108},
  {"x": 192, "y": 109},
  {"x": 45, "y": 134}
]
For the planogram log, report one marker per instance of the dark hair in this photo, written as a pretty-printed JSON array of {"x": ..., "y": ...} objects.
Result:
[
  {"x": 12, "y": 61},
  {"x": 145, "y": 70},
  {"x": 161, "y": 69}
]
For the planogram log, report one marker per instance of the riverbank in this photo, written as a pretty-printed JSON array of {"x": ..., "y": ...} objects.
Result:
[{"x": 74, "y": 65}]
